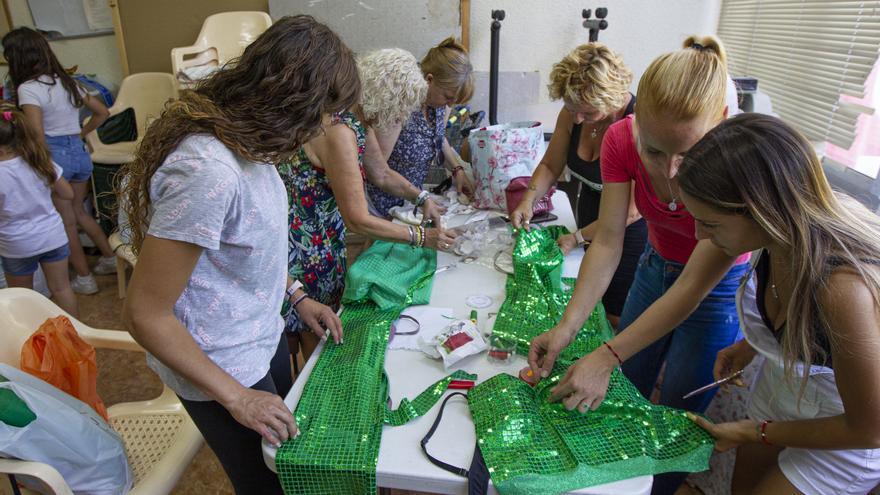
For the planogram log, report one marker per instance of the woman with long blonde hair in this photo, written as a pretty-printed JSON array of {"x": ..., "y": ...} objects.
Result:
[
  {"x": 680, "y": 310},
  {"x": 810, "y": 306}
]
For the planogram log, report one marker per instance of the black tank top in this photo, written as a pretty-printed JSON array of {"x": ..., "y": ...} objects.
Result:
[{"x": 588, "y": 172}]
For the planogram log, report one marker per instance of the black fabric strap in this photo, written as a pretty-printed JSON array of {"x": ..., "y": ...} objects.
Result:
[
  {"x": 477, "y": 475},
  {"x": 437, "y": 462}
]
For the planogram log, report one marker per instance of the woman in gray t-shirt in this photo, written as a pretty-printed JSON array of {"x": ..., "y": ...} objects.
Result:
[{"x": 208, "y": 217}]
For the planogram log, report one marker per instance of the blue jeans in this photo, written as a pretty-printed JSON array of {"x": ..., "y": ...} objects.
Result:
[
  {"x": 690, "y": 349},
  {"x": 70, "y": 153}
]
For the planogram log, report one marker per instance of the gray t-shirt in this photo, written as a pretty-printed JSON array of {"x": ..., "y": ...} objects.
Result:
[{"x": 236, "y": 210}]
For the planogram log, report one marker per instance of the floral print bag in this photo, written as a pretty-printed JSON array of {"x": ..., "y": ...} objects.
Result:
[{"x": 500, "y": 153}]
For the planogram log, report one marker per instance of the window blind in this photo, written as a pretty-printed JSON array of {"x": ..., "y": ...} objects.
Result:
[{"x": 805, "y": 55}]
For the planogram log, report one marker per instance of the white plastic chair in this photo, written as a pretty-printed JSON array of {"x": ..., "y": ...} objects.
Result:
[
  {"x": 160, "y": 438},
  {"x": 125, "y": 258},
  {"x": 223, "y": 37},
  {"x": 147, "y": 94}
]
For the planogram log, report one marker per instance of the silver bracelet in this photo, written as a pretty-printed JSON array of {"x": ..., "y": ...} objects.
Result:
[
  {"x": 298, "y": 300},
  {"x": 420, "y": 200},
  {"x": 412, "y": 237}
]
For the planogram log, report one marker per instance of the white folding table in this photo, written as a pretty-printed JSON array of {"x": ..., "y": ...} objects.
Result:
[{"x": 402, "y": 465}]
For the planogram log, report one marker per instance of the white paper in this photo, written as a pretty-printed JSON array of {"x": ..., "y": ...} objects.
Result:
[
  {"x": 98, "y": 14},
  {"x": 572, "y": 263}
]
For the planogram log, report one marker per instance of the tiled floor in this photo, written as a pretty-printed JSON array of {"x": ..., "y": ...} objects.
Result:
[{"x": 124, "y": 376}]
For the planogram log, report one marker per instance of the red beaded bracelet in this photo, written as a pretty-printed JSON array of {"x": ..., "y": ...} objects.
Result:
[
  {"x": 619, "y": 361},
  {"x": 764, "y": 432}
]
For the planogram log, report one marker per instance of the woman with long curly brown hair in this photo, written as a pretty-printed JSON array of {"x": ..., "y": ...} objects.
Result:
[{"x": 205, "y": 204}]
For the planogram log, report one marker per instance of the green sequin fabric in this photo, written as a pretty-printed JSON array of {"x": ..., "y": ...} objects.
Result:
[
  {"x": 344, "y": 404},
  {"x": 537, "y": 295},
  {"x": 532, "y": 446}
]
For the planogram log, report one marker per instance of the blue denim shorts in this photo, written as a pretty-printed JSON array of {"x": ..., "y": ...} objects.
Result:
[
  {"x": 28, "y": 266},
  {"x": 70, "y": 153}
]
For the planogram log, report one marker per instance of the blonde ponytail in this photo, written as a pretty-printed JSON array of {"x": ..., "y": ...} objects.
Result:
[
  {"x": 708, "y": 43},
  {"x": 687, "y": 83}
]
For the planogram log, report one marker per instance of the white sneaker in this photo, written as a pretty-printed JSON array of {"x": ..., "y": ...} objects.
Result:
[
  {"x": 84, "y": 285},
  {"x": 105, "y": 266}
]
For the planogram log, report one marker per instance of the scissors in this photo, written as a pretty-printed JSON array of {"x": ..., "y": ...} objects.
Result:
[{"x": 714, "y": 384}]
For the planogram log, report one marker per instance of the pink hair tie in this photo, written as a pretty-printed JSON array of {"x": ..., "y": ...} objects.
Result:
[{"x": 7, "y": 116}]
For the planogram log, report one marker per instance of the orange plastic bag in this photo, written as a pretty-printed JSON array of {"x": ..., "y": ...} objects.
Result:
[{"x": 56, "y": 354}]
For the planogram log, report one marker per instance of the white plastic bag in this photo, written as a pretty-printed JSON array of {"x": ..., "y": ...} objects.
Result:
[
  {"x": 68, "y": 435},
  {"x": 457, "y": 341}
]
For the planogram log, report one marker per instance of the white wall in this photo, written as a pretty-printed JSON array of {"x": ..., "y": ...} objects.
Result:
[
  {"x": 534, "y": 35},
  {"x": 96, "y": 54},
  {"x": 537, "y": 33}
]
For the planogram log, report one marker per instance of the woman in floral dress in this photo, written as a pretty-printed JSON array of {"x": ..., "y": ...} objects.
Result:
[
  {"x": 325, "y": 182},
  {"x": 411, "y": 146}
]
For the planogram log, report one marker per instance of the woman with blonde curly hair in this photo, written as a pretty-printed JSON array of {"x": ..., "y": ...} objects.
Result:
[
  {"x": 411, "y": 146},
  {"x": 325, "y": 184},
  {"x": 593, "y": 84},
  {"x": 202, "y": 199}
]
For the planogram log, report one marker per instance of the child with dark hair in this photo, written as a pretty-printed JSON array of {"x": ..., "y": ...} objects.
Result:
[{"x": 50, "y": 99}]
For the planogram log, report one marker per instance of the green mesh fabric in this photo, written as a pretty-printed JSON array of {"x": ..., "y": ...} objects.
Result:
[
  {"x": 532, "y": 446},
  {"x": 391, "y": 274},
  {"x": 344, "y": 403}
]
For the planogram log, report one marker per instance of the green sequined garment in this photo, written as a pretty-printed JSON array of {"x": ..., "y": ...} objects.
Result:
[
  {"x": 537, "y": 295},
  {"x": 343, "y": 406},
  {"x": 532, "y": 446}
]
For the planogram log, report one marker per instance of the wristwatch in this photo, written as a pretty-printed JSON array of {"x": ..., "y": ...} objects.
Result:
[
  {"x": 293, "y": 288},
  {"x": 579, "y": 237}
]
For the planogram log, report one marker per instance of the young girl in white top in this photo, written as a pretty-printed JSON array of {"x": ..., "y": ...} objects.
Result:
[
  {"x": 50, "y": 99},
  {"x": 31, "y": 231},
  {"x": 753, "y": 184}
]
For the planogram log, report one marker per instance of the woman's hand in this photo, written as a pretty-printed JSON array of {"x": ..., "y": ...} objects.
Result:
[
  {"x": 728, "y": 435},
  {"x": 586, "y": 382},
  {"x": 263, "y": 412},
  {"x": 320, "y": 318},
  {"x": 440, "y": 239},
  {"x": 522, "y": 215},
  {"x": 545, "y": 348},
  {"x": 567, "y": 243},
  {"x": 463, "y": 183},
  {"x": 431, "y": 212},
  {"x": 732, "y": 359}
]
